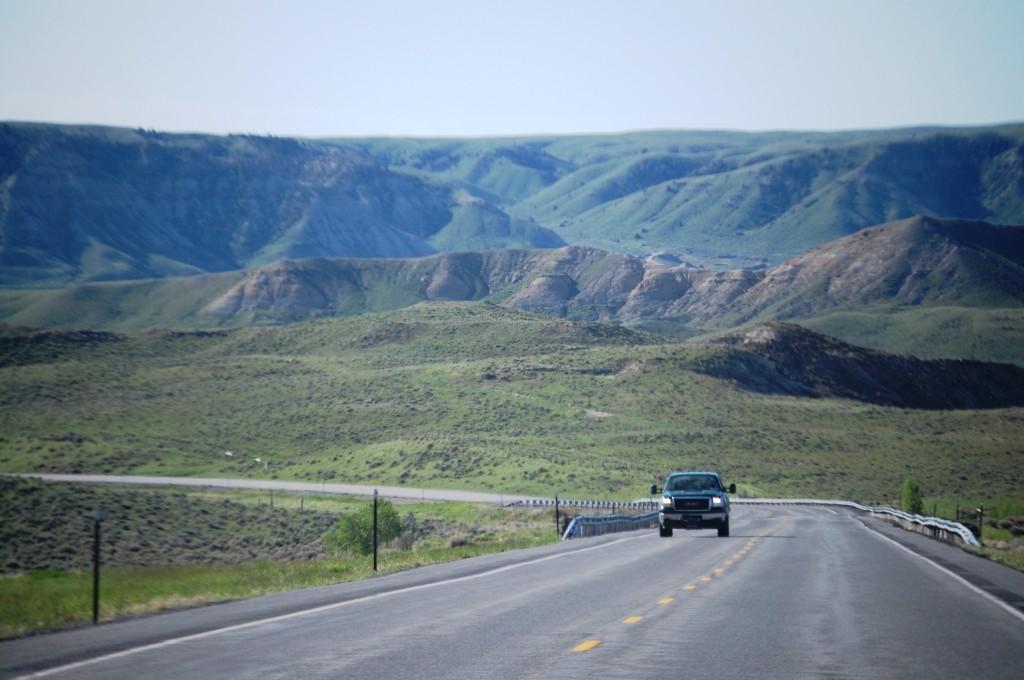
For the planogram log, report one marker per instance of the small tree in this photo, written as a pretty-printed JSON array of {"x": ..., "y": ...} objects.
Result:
[
  {"x": 913, "y": 499},
  {"x": 355, "y": 530}
]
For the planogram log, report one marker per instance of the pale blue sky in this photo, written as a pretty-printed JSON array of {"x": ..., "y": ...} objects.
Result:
[{"x": 474, "y": 67}]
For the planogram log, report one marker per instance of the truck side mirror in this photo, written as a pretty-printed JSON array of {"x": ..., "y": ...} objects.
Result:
[
  {"x": 732, "y": 488},
  {"x": 654, "y": 489}
]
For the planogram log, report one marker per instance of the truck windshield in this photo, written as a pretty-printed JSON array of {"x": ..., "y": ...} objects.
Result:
[{"x": 693, "y": 483}]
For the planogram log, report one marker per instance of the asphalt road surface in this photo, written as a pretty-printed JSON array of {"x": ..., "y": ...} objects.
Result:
[
  {"x": 278, "y": 485},
  {"x": 795, "y": 592}
]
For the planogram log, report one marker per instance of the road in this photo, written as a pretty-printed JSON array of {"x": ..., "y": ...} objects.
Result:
[
  {"x": 795, "y": 592},
  {"x": 278, "y": 485}
]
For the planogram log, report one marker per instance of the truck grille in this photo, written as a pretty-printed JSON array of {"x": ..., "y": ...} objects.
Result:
[{"x": 690, "y": 504}]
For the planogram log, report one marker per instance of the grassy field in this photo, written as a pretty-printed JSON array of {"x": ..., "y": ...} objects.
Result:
[
  {"x": 478, "y": 397},
  {"x": 167, "y": 549}
]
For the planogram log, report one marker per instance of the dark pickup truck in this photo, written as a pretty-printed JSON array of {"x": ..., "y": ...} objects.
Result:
[{"x": 694, "y": 500}]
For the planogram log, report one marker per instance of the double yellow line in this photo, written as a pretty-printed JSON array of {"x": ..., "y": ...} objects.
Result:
[{"x": 716, "y": 572}]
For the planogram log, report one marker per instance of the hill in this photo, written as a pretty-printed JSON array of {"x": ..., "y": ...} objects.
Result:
[
  {"x": 477, "y": 396},
  {"x": 730, "y": 199},
  {"x": 82, "y": 204},
  {"x": 933, "y": 288},
  {"x": 788, "y": 359},
  {"x": 93, "y": 204}
]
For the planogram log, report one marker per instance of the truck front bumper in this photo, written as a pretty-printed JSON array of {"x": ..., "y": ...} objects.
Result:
[{"x": 692, "y": 520}]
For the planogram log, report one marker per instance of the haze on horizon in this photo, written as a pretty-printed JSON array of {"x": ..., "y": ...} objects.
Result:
[{"x": 318, "y": 68}]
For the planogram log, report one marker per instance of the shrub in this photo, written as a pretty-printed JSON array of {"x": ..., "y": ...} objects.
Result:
[
  {"x": 913, "y": 499},
  {"x": 355, "y": 530}
]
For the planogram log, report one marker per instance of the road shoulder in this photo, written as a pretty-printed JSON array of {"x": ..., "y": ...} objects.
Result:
[{"x": 999, "y": 581}]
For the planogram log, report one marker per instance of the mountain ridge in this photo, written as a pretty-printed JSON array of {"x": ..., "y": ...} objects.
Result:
[
  {"x": 84, "y": 203},
  {"x": 94, "y": 204},
  {"x": 918, "y": 264},
  {"x": 910, "y": 262}
]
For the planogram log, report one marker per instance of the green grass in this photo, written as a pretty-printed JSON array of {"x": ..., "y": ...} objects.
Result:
[
  {"x": 1011, "y": 558},
  {"x": 479, "y": 397},
  {"x": 1001, "y": 545},
  {"x": 53, "y": 599},
  {"x": 162, "y": 548},
  {"x": 982, "y": 333}
]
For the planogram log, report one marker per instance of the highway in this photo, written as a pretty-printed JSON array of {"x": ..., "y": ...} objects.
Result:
[
  {"x": 279, "y": 485},
  {"x": 794, "y": 592}
]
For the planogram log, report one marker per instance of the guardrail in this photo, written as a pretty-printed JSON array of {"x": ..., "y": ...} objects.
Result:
[
  {"x": 593, "y": 505},
  {"x": 936, "y": 527},
  {"x": 583, "y": 526}
]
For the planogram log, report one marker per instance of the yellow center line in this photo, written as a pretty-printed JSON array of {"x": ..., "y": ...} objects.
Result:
[
  {"x": 719, "y": 570},
  {"x": 689, "y": 587},
  {"x": 633, "y": 619},
  {"x": 706, "y": 578},
  {"x": 666, "y": 600},
  {"x": 586, "y": 646}
]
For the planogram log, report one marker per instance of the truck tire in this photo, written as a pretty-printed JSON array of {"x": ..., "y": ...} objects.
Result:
[
  {"x": 723, "y": 530},
  {"x": 665, "y": 532}
]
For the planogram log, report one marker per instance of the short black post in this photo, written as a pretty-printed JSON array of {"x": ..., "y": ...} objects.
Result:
[
  {"x": 558, "y": 522},
  {"x": 97, "y": 518},
  {"x": 981, "y": 522},
  {"x": 375, "y": 530}
]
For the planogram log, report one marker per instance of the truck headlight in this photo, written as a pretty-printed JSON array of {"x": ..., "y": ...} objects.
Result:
[
  {"x": 666, "y": 502},
  {"x": 716, "y": 500}
]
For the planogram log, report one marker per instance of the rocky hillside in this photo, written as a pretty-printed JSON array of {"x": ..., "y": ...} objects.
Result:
[
  {"x": 787, "y": 359},
  {"x": 84, "y": 204},
  {"x": 93, "y": 204},
  {"x": 916, "y": 262},
  {"x": 920, "y": 261},
  {"x": 958, "y": 274}
]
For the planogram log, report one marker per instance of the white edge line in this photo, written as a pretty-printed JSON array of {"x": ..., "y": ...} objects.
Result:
[
  {"x": 957, "y": 577},
  {"x": 305, "y": 612}
]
